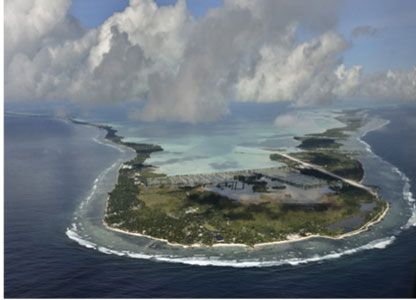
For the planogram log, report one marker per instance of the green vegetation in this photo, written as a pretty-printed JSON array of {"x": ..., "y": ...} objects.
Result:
[
  {"x": 317, "y": 142},
  {"x": 337, "y": 162},
  {"x": 189, "y": 215},
  {"x": 143, "y": 151},
  {"x": 111, "y": 134},
  {"x": 284, "y": 160},
  {"x": 322, "y": 149},
  {"x": 353, "y": 120},
  {"x": 123, "y": 200}
]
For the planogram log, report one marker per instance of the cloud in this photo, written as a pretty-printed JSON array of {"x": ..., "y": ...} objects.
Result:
[
  {"x": 28, "y": 22},
  {"x": 159, "y": 31},
  {"x": 177, "y": 68},
  {"x": 390, "y": 86},
  {"x": 286, "y": 120},
  {"x": 295, "y": 122},
  {"x": 222, "y": 47},
  {"x": 365, "y": 30},
  {"x": 301, "y": 73},
  {"x": 111, "y": 63}
]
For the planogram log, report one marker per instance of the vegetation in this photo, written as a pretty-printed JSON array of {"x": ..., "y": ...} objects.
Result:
[
  {"x": 337, "y": 162},
  {"x": 317, "y": 142},
  {"x": 190, "y": 215},
  {"x": 353, "y": 120},
  {"x": 322, "y": 149},
  {"x": 143, "y": 151},
  {"x": 290, "y": 163}
]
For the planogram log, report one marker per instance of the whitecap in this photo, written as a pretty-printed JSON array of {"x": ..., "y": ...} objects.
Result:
[
  {"x": 380, "y": 243},
  {"x": 75, "y": 237},
  {"x": 210, "y": 261},
  {"x": 407, "y": 194},
  {"x": 109, "y": 144}
]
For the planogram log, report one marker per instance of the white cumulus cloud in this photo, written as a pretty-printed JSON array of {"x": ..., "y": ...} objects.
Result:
[{"x": 179, "y": 68}]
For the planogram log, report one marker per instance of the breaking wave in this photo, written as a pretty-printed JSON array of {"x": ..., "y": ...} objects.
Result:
[
  {"x": 95, "y": 185},
  {"x": 207, "y": 261},
  {"x": 108, "y": 144},
  {"x": 408, "y": 196},
  {"x": 73, "y": 233},
  {"x": 366, "y": 145}
]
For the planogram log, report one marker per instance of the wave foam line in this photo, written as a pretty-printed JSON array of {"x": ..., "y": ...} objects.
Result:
[
  {"x": 206, "y": 261},
  {"x": 368, "y": 148},
  {"x": 109, "y": 144},
  {"x": 385, "y": 123},
  {"x": 94, "y": 188},
  {"x": 95, "y": 185},
  {"x": 70, "y": 233},
  {"x": 407, "y": 194}
]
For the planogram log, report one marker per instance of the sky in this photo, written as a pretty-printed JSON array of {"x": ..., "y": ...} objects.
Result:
[
  {"x": 393, "y": 19},
  {"x": 190, "y": 60},
  {"x": 92, "y": 13},
  {"x": 394, "y": 43}
]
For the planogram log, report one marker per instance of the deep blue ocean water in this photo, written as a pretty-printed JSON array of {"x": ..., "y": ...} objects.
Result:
[{"x": 50, "y": 166}]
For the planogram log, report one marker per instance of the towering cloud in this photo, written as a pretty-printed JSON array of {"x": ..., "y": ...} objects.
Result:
[
  {"x": 27, "y": 23},
  {"x": 304, "y": 73},
  {"x": 179, "y": 68}
]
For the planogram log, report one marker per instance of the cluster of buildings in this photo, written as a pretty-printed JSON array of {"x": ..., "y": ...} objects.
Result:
[{"x": 278, "y": 175}]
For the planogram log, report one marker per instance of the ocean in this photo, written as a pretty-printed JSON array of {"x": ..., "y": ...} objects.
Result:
[{"x": 51, "y": 166}]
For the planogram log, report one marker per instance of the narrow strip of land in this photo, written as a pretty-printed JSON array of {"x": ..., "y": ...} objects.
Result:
[
  {"x": 322, "y": 170},
  {"x": 317, "y": 194}
]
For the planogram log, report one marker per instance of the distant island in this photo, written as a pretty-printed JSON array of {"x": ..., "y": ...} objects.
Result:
[{"x": 315, "y": 191}]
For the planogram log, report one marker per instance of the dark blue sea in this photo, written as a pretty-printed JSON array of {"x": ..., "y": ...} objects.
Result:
[{"x": 51, "y": 164}]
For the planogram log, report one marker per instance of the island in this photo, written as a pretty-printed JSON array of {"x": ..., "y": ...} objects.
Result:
[{"x": 316, "y": 191}]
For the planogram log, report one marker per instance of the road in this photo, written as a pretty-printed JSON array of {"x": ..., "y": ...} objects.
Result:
[{"x": 322, "y": 170}]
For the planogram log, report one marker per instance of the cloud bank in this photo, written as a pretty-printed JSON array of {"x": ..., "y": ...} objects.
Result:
[{"x": 179, "y": 68}]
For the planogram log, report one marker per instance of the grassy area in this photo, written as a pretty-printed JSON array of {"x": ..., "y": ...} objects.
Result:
[
  {"x": 322, "y": 149},
  {"x": 193, "y": 215},
  {"x": 284, "y": 160},
  {"x": 190, "y": 215},
  {"x": 337, "y": 162}
]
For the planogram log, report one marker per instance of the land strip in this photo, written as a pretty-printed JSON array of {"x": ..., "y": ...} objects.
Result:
[
  {"x": 322, "y": 170},
  {"x": 317, "y": 193}
]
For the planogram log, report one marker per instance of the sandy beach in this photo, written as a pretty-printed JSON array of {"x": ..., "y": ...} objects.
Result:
[{"x": 292, "y": 238}]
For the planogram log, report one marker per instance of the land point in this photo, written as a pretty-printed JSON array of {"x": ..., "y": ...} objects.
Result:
[{"x": 316, "y": 191}]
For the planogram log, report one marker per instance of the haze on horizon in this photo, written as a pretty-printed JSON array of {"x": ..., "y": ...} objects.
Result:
[{"x": 186, "y": 61}]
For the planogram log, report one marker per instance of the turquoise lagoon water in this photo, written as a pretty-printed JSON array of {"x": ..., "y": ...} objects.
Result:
[
  {"x": 43, "y": 155},
  {"x": 208, "y": 148},
  {"x": 224, "y": 146}
]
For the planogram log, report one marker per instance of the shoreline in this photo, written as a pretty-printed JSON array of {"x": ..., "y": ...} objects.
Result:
[
  {"x": 292, "y": 238},
  {"x": 296, "y": 238}
]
